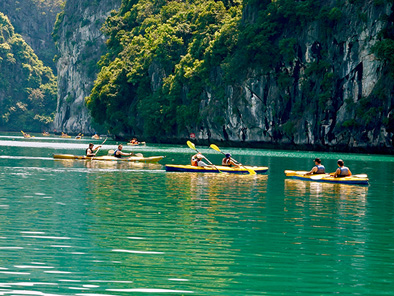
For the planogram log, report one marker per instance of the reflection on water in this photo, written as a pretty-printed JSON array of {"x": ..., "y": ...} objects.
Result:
[
  {"x": 111, "y": 165},
  {"x": 113, "y": 228},
  {"x": 317, "y": 189}
]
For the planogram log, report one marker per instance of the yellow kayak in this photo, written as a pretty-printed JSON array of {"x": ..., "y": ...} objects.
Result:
[
  {"x": 214, "y": 169},
  {"x": 110, "y": 158},
  {"x": 361, "y": 179}
]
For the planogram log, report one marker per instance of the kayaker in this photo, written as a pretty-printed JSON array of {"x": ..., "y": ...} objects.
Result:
[
  {"x": 118, "y": 152},
  {"x": 342, "y": 171},
  {"x": 227, "y": 161},
  {"x": 197, "y": 160},
  {"x": 318, "y": 168},
  {"x": 90, "y": 150},
  {"x": 134, "y": 141}
]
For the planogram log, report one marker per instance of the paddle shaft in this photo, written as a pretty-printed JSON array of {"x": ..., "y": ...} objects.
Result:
[
  {"x": 251, "y": 171},
  {"x": 100, "y": 147},
  {"x": 192, "y": 146}
]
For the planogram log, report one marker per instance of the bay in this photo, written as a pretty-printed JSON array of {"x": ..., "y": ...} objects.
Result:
[{"x": 98, "y": 228}]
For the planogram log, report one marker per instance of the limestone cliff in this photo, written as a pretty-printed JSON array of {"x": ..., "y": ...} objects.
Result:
[
  {"x": 80, "y": 44},
  {"x": 34, "y": 20},
  {"x": 312, "y": 81},
  {"x": 333, "y": 95}
]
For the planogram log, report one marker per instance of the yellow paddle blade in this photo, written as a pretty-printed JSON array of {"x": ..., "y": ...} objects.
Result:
[
  {"x": 110, "y": 152},
  {"x": 214, "y": 147},
  {"x": 191, "y": 145},
  {"x": 252, "y": 172}
]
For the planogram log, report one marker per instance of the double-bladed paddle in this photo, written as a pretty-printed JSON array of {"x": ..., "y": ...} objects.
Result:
[
  {"x": 100, "y": 147},
  {"x": 214, "y": 147},
  {"x": 192, "y": 146}
]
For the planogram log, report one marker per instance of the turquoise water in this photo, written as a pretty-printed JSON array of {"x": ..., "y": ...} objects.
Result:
[{"x": 95, "y": 228}]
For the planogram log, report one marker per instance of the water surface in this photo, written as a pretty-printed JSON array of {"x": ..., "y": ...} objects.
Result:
[{"x": 95, "y": 228}]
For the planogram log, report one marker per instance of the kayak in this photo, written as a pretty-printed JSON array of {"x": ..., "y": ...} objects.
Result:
[
  {"x": 137, "y": 144},
  {"x": 110, "y": 158},
  {"x": 361, "y": 179},
  {"x": 216, "y": 169}
]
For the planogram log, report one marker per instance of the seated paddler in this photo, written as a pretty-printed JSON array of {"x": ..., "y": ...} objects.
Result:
[
  {"x": 318, "y": 168},
  {"x": 119, "y": 153},
  {"x": 90, "y": 151},
  {"x": 197, "y": 160},
  {"x": 228, "y": 161},
  {"x": 342, "y": 171}
]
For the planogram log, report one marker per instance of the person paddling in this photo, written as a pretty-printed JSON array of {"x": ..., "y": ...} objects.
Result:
[
  {"x": 228, "y": 161},
  {"x": 318, "y": 168},
  {"x": 342, "y": 171},
  {"x": 90, "y": 150},
  {"x": 118, "y": 152},
  {"x": 197, "y": 160}
]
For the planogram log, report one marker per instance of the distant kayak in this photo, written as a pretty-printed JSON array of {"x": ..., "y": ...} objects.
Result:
[
  {"x": 137, "y": 144},
  {"x": 361, "y": 179},
  {"x": 216, "y": 169},
  {"x": 110, "y": 158}
]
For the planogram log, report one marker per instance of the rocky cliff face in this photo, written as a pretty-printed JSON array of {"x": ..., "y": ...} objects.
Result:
[
  {"x": 80, "y": 44},
  {"x": 330, "y": 92},
  {"x": 353, "y": 109},
  {"x": 34, "y": 20}
]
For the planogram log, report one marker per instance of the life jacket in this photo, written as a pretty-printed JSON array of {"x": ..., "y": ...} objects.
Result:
[
  {"x": 344, "y": 172},
  {"x": 226, "y": 161},
  {"x": 116, "y": 155},
  {"x": 194, "y": 161},
  {"x": 320, "y": 169}
]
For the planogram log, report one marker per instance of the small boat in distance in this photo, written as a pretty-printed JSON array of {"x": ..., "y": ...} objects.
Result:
[
  {"x": 25, "y": 135},
  {"x": 64, "y": 135}
]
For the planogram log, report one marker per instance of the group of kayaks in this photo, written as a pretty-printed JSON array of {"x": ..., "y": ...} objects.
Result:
[{"x": 360, "y": 179}]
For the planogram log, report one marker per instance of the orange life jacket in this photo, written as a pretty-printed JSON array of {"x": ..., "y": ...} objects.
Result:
[{"x": 194, "y": 161}]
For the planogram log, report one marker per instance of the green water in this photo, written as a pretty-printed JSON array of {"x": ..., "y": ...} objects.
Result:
[{"x": 77, "y": 228}]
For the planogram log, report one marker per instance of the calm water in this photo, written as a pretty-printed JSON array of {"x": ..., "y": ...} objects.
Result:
[{"x": 76, "y": 228}]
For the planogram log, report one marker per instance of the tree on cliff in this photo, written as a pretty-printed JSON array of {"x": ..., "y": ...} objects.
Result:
[
  {"x": 284, "y": 71},
  {"x": 27, "y": 88},
  {"x": 34, "y": 20}
]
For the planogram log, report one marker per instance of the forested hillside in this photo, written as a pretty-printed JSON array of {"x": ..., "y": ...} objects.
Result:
[
  {"x": 27, "y": 87},
  {"x": 289, "y": 73},
  {"x": 34, "y": 20}
]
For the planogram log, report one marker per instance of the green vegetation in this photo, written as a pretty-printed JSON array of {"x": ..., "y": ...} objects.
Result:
[
  {"x": 27, "y": 88},
  {"x": 34, "y": 20},
  {"x": 165, "y": 58},
  {"x": 163, "y": 55}
]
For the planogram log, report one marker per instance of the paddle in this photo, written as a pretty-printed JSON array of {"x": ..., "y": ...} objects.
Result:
[
  {"x": 214, "y": 147},
  {"x": 318, "y": 176},
  {"x": 293, "y": 173},
  {"x": 355, "y": 176},
  {"x": 192, "y": 146},
  {"x": 100, "y": 147}
]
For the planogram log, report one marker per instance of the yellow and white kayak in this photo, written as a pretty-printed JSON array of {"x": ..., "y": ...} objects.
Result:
[
  {"x": 150, "y": 159},
  {"x": 361, "y": 179},
  {"x": 214, "y": 169}
]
